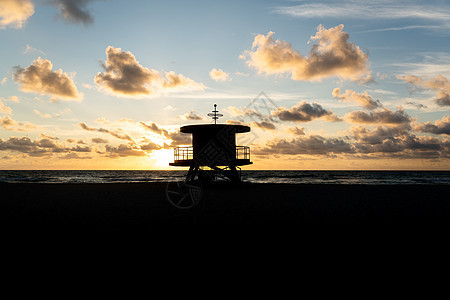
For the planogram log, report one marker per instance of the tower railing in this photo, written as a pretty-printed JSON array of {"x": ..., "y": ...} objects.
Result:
[
  {"x": 242, "y": 152},
  {"x": 183, "y": 153},
  {"x": 187, "y": 153}
]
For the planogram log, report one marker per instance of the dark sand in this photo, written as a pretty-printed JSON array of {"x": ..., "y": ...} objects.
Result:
[{"x": 144, "y": 206}]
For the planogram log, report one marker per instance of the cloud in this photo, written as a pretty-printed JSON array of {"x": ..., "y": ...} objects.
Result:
[
  {"x": 173, "y": 81},
  {"x": 332, "y": 55},
  {"x": 14, "y": 99},
  {"x": 379, "y": 134},
  {"x": 439, "y": 83},
  {"x": 264, "y": 125},
  {"x": 371, "y": 10},
  {"x": 29, "y": 49},
  {"x": 297, "y": 130},
  {"x": 39, "y": 148},
  {"x": 5, "y": 109},
  {"x": 124, "y": 150},
  {"x": 150, "y": 146},
  {"x": 397, "y": 142},
  {"x": 39, "y": 78},
  {"x": 305, "y": 112},
  {"x": 177, "y": 137},
  {"x": 190, "y": 116},
  {"x": 242, "y": 74},
  {"x": 103, "y": 130},
  {"x": 9, "y": 124},
  {"x": 74, "y": 11},
  {"x": 4, "y": 80},
  {"x": 74, "y": 155},
  {"x": 363, "y": 99},
  {"x": 260, "y": 120},
  {"x": 169, "y": 108},
  {"x": 45, "y": 136},
  {"x": 99, "y": 141},
  {"x": 219, "y": 75},
  {"x": 42, "y": 115},
  {"x": 439, "y": 127},
  {"x": 381, "y": 142},
  {"x": 310, "y": 145},
  {"x": 124, "y": 76},
  {"x": 416, "y": 105},
  {"x": 153, "y": 127},
  {"x": 15, "y": 13},
  {"x": 383, "y": 116}
]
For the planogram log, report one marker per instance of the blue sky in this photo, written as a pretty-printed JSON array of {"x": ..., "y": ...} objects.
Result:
[{"x": 396, "y": 53}]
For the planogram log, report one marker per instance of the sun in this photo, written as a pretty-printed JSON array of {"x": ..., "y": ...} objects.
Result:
[{"x": 161, "y": 158}]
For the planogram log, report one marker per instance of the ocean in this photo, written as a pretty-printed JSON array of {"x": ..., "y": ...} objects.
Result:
[{"x": 297, "y": 177}]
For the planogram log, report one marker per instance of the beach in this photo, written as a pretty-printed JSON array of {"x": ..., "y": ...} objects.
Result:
[{"x": 144, "y": 206}]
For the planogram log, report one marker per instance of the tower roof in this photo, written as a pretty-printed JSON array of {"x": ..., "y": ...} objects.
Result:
[{"x": 213, "y": 127}]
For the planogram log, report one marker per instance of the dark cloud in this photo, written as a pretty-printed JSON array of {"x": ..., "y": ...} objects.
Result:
[
  {"x": 311, "y": 145},
  {"x": 103, "y": 130},
  {"x": 443, "y": 99},
  {"x": 40, "y": 78},
  {"x": 99, "y": 141},
  {"x": 379, "y": 134},
  {"x": 362, "y": 142},
  {"x": 150, "y": 146},
  {"x": 407, "y": 146},
  {"x": 74, "y": 11},
  {"x": 45, "y": 136},
  {"x": 383, "y": 116},
  {"x": 332, "y": 55},
  {"x": 177, "y": 137},
  {"x": 153, "y": 127},
  {"x": 9, "y": 124},
  {"x": 297, "y": 130},
  {"x": 305, "y": 112},
  {"x": 260, "y": 120},
  {"x": 264, "y": 125},
  {"x": 38, "y": 148},
  {"x": 363, "y": 99},
  {"x": 78, "y": 148},
  {"x": 438, "y": 83},
  {"x": 417, "y": 105},
  {"x": 439, "y": 127},
  {"x": 124, "y": 150},
  {"x": 125, "y": 76}
]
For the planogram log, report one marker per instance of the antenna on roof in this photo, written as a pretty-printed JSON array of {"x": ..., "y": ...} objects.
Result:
[{"x": 214, "y": 115}]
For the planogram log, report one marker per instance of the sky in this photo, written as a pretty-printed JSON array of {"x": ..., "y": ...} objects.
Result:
[{"x": 324, "y": 85}]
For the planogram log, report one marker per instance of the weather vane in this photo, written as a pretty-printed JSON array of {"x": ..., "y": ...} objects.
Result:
[{"x": 214, "y": 115}]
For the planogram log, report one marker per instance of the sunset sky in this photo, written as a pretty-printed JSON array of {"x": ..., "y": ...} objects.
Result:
[{"x": 106, "y": 84}]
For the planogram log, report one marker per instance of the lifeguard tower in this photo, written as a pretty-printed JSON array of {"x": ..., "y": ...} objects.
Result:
[{"x": 213, "y": 154}]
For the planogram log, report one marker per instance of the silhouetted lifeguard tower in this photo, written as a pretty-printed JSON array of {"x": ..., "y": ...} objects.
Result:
[{"x": 213, "y": 152}]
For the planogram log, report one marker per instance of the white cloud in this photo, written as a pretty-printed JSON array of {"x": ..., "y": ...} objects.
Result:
[
  {"x": 370, "y": 10},
  {"x": 5, "y": 109},
  {"x": 31, "y": 50},
  {"x": 170, "y": 108},
  {"x": 15, "y": 13},
  {"x": 331, "y": 55},
  {"x": 219, "y": 75},
  {"x": 40, "y": 78},
  {"x": 42, "y": 115}
]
